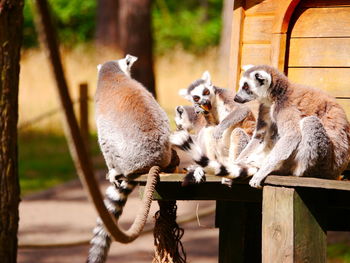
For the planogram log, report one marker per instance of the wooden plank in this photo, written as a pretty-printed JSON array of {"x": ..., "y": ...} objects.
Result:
[
  {"x": 274, "y": 180},
  {"x": 257, "y": 29},
  {"x": 324, "y": 3},
  {"x": 236, "y": 43},
  {"x": 259, "y": 7},
  {"x": 333, "y": 80},
  {"x": 291, "y": 229},
  {"x": 256, "y": 54},
  {"x": 277, "y": 225},
  {"x": 293, "y": 181},
  {"x": 322, "y": 22},
  {"x": 239, "y": 230},
  {"x": 207, "y": 191},
  {"x": 278, "y": 50},
  {"x": 319, "y": 52}
]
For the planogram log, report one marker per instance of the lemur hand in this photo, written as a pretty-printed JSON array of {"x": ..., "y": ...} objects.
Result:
[
  {"x": 217, "y": 134},
  {"x": 198, "y": 109}
]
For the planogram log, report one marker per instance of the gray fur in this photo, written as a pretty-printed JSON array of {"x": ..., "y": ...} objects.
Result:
[
  {"x": 133, "y": 133},
  {"x": 301, "y": 131}
]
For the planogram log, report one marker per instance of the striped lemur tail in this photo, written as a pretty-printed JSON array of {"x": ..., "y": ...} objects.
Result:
[
  {"x": 116, "y": 196},
  {"x": 184, "y": 141}
]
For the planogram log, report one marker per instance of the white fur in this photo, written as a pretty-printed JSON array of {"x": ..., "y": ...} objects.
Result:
[
  {"x": 206, "y": 77},
  {"x": 99, "y": 66},
  {"x": 246, "y": 67},
  {"x": 126, "y": 63}
]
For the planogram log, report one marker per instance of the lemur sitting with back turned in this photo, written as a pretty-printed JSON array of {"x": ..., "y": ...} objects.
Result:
[
  {"x": 301, "y": 131},
  {"x": 133, "y": 134},
  {"x": 232, "y": 123}
]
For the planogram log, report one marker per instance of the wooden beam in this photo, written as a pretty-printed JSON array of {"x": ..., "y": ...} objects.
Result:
[
  {"x": 236, "y": 43},
  {"x": 274, "y": 180},
  {"x": 292, "y": 230}
]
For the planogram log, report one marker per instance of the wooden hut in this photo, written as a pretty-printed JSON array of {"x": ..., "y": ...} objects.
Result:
[{"x": 307, "y": 39}]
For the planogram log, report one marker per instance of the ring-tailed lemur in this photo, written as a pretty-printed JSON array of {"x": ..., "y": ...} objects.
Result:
[
  {"x": 133, "y": 134},
  {"x": 235, "y": 123},
  {"x": 301, "y": 131}
]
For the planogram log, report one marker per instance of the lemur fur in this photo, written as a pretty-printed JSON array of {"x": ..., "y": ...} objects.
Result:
[
  {"x": 234, "y": 124},
  {"x": 133, "y": 134},
  {"x": 301, "y": 131}
]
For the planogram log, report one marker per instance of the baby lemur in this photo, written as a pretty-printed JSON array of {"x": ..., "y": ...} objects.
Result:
[
  {"x": 231, "y": 124},
  {"x": 301, "y": 131},
  {"x": 133, "y": 134}
]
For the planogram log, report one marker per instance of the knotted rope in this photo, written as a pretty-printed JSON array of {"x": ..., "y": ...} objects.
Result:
[{"x": 167, "y": 235}]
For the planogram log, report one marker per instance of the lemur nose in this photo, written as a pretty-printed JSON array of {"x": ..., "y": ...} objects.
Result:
[{"x": 238, "y": 99}]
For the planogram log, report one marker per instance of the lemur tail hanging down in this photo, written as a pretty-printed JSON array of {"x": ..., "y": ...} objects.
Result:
[{"x": 133, "y": 133}]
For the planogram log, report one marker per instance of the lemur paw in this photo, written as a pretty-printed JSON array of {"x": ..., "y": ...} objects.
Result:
[
  {"x": 113, "y": 176},
  {"x": 256, "y": 181},
  {"x": 217, "y": 134},
  {"x": 227, "y": 181}
]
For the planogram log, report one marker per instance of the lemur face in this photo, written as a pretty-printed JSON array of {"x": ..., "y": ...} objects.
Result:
[
  {"x": 254, "y": 84},
  {"x": 184, "y": 117},
  {"x": 200, "y": 93}
]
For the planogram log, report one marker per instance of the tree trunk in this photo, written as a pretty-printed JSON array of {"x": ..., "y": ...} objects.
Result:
[
  {"x": 136, "y": 38},
  {"x": 225, "y": 40},
  {"x": 107, "y": 26},
  {"x": 11, "y": 19}
]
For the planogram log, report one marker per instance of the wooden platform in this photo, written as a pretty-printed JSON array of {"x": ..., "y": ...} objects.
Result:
[{"x": 286, "y": 221}]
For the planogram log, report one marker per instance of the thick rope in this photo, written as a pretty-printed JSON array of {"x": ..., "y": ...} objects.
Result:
[
  {"x": 167, "y": 235},
  {"x": 137, "y": 226}
]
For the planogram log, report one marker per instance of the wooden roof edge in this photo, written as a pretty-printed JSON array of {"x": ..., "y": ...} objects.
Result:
[{"x": 273, "y": 180}]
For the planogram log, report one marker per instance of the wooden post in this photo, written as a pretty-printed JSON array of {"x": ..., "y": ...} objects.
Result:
[
  {"x": 84, "y": 113},
  {"x": 239, "y": 232},
  {"x": 292, "y": 228}
]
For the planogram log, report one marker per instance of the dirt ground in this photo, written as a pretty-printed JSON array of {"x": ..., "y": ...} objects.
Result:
[{"x": 64, "y": 215}]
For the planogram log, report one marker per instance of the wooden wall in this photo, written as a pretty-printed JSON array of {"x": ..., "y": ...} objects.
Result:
[
  {"x": 319, "y": 47},
  {"x": 318, "y": 42}
]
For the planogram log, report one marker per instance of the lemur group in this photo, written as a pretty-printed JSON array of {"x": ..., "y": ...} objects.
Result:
[{"x": 298, "y": 131}]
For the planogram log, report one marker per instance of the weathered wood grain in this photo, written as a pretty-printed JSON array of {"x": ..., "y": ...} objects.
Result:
[
  {"x": 236, "y": 43},
  {"x": 291, "y": 231},
  {"x": 324, "y": 3},
  {"x": 260, "y": 7},
  {"x": 257, "y": 29},
  {"x": 333, "y": 80},
  {"x": 319, "y": 52},
  {"x": 273, "y": 180},
  {"x": 256, "y": 54},
  {"x": 322, "y": 22}
]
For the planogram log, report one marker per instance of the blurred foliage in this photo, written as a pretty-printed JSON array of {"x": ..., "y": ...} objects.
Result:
[
  {"x": 193, "y": 25},
  {"x": 75, "y": 21},
  {"x": 338, "y": 253}
]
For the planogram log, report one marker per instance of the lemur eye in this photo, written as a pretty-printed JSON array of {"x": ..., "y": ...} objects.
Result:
[
  {"x": 245, "y": 86},
  {"x": 196, "y": 98},
  {"x": 206, "y": 92},
  {"x": 180, "y": 110}
]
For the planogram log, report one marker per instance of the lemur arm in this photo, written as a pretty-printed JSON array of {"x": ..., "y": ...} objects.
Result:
[
  {"x": 232, "y": 119},
  {"x": 290, "y": 137}
]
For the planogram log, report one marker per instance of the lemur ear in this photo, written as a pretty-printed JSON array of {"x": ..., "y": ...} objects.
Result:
[
  {"x": 179, "y": 110},
  {"x": 183, "y": 93},
  {"x": 206, "y": 77},
  {"x": 246, "y": 67},
  {"x": 129, "y": 60},
  {"x": 99, "y": 66}
]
